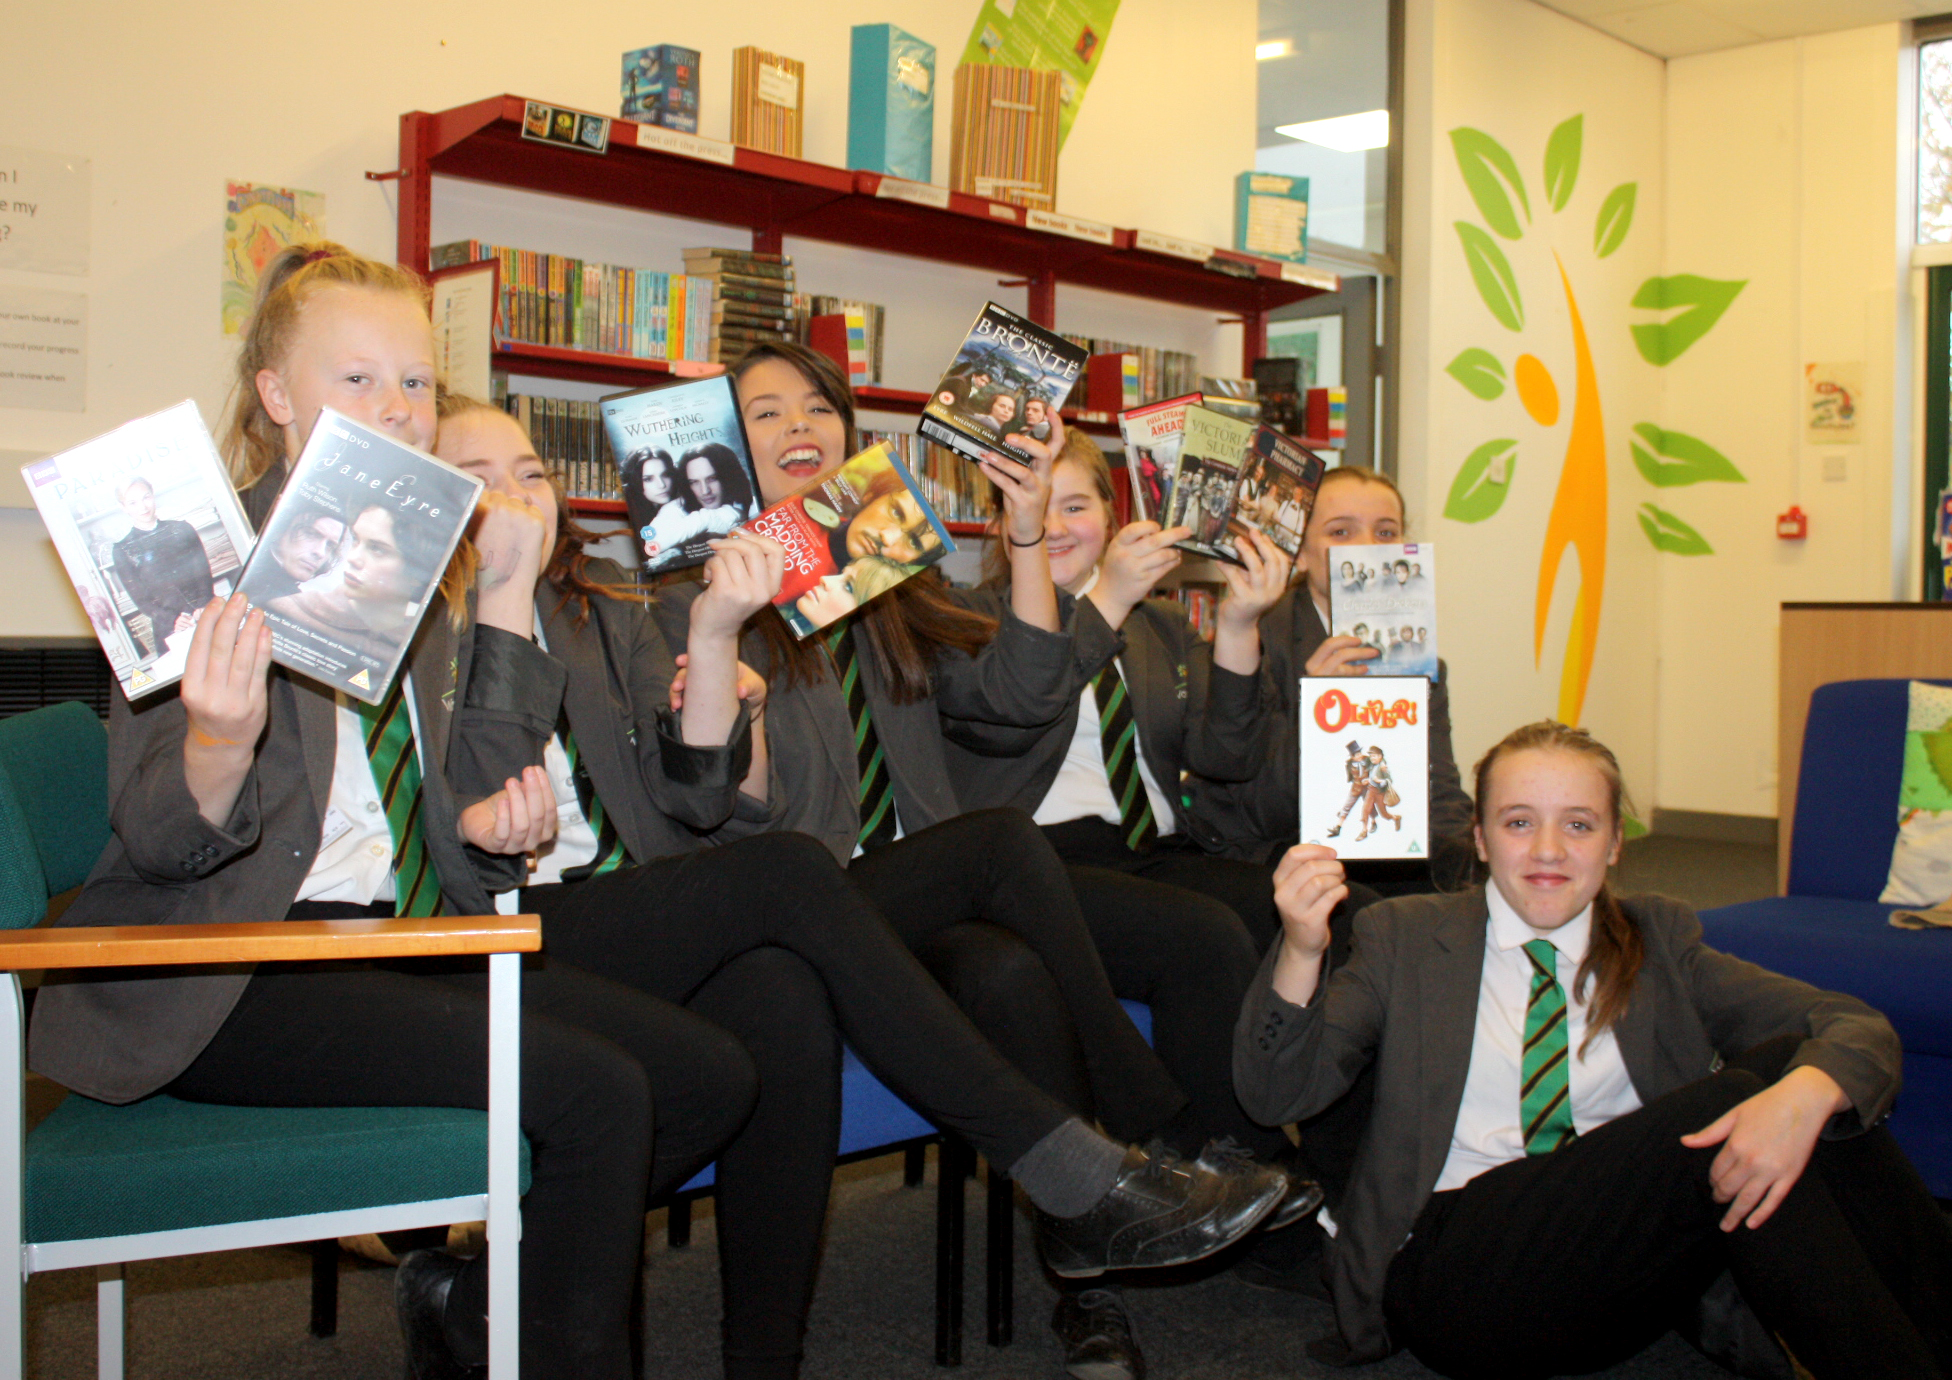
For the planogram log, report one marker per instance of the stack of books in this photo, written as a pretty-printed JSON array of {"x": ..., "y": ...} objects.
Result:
[
  {"x": 1162, "y": 373},
  {"x": 750, "y": 296},
  {"x": 768, "y": 101},
  {"x": 1003, "y": 135},
  {"x": 573, "y": 304}
]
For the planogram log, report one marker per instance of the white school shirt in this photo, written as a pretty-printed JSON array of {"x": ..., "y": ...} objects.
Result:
[
  {"x": 575, "y": 842},
  {"x": 1488, "y": 1133},
  {"x": 355, "y": 857},
  {"x": 1083, "y": 788}
]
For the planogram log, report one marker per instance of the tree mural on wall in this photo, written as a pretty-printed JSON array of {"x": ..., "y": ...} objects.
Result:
[{"x": 1688, "y": 306}]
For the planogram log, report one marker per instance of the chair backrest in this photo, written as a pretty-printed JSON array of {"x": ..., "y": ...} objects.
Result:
[
  {"x": 57, "y": 761},
  {"x": 1847, "y": 789},
  {"x": 23, "y": 892}
]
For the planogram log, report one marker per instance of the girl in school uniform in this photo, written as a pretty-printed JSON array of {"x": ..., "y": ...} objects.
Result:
[
  {"x": 1584, "y": 1114},
  {"x": 628, "y": 890}
]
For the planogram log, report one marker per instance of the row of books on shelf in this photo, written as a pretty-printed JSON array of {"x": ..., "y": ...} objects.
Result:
[
  {"x": 1160, "y": 373},
  {"x": 568, "y": 435},
  {"x": 573, "y": 304},
  {"x": 953, "y": 487}
]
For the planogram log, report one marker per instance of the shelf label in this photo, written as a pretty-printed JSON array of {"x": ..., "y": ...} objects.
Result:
[
  {"x": 1178, "y": 248},
  {"x": 684, "y": 145},
  {"x": 1068, "y": 225},
  {"x": 921, "y": 193},
  {"x": 1003, "y": 212},
  {"x": 1311, "y": 277}
]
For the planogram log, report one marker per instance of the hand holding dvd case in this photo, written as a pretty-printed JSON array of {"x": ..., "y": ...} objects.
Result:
[
  {"x": 150, "y": 530},
  {"x": 1365, "y": 765},
  {"x": 849, "y": 537},
  {"x": 1006, "y": 380},
  {"x": 685, "y": 465},
  {"x": 352, "y": 553},
  {"x": 1387, "y": 597}
]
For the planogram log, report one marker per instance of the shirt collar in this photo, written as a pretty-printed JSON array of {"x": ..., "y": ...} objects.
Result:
[
  {"x": 1509, "y": 930},
  {"x": 1089, "y": 584}
]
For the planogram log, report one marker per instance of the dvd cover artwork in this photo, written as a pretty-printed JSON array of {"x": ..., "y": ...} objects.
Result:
[
  {"x": 1365, "y": 765},
  {"x": 1212, "y": 454},
  {"x": 854, "y": 535},
  {"x": 352, "y": 553},
  {"x": 1152, "y": 436},
  {"x": 1387, "y": 597},
  {"x": 1004, "y": 383},
  {"x": 1276, "y": 490},
  {"x": 685, "y": 466},
  {"x": 147, "y": 524}
]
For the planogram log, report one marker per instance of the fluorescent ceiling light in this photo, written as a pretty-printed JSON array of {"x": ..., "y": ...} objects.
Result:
[
  {"x": 1279, "y": 47},
  {"x": 1348, "y": 133}
]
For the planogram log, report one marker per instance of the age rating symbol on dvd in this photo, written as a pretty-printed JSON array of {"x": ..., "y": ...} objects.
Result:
[{"x": 1685, "y": 307}]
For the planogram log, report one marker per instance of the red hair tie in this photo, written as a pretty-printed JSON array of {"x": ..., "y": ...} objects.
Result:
[{"x": 318, "y": 254}]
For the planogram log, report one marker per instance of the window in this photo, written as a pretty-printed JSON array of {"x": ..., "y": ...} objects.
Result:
[{"x": 1935, "y": 142}]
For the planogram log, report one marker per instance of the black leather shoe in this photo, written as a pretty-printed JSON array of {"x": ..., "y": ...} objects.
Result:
[
  {"x": 1162, "y": 1210},
  {"x": 421, "y": 1285},
  {"x": 1227, "y": 1155},
  {"x": 1291, "y": 1262},
  {"x": 1097, "y": 1336}
]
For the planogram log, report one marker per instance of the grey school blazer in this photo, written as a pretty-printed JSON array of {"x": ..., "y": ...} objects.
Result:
[
  {"x": 1000, "y": 699},
  {"x": 1408, "y": 1002},
  {"x": 120, "y": 1034},
  {"x": 1250, "y": 819},
  {"x": 1190, "y": 714}
]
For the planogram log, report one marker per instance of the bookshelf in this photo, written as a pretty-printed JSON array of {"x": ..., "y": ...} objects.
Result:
[{"x": 656, "y": 170}]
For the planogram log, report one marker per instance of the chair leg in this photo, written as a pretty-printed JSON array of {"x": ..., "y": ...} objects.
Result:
[
  {"x": 325, "y": 1288},
  {"x": 677, "y": 1224},
  {"x": 999, "y": 1258},
  {"x": 951, "y": 1167},
  {"x": 109, "y": 1322},
  {"x": 914, "y": 1163}
]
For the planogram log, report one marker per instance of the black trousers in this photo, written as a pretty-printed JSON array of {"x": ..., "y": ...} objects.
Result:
[
  {"x": 1245, "y": 888},
  {"x": 670, "y": 927},
  {"x": 1571, "y": 1262},
  {"x": 622, "y": 1095}
]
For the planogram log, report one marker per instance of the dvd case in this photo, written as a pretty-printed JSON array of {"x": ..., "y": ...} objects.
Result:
[
  {"x": 149, "y": 528},
  {"x": 686, "y": 468},
  {"x": 352, "y": 553},
  {"x": 1009, "y": 375},
  {"x": 1387, "y": 596},
  {"x": 1365, "y": 765},
  {"x": 1276, "y": 490},
  {"x": 851, "y": 536},
  {"x": 1213, "y": 451},
  {"x": 1152, "y": 436}
]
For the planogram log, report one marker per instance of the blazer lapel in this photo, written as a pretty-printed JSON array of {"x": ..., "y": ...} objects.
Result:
[
  {"x": 316, "y": 711},
  {"x": 1448, "y": 980},
  {"x": 831, "y": 718}
]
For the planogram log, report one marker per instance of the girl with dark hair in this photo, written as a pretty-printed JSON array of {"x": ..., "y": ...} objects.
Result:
[{"x": 1555, "y": 1170}]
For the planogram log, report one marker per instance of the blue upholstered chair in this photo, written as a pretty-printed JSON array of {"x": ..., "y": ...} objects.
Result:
[
  {"x": 1832, "y": 930},
  {"x": 97, "y": 1185}
]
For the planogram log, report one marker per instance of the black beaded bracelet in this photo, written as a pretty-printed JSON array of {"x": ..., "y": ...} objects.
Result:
[{"x": 1025, "y": 545}]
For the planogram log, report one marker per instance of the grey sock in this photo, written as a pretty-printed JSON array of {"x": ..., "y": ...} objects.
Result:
[{"x": 1069, "y": 1170}]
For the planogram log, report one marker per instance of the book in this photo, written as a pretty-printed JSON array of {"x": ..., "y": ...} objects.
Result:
[
  {"x": 1328, "y": 413},
  {"x": 1365, "y": 765},
  {"x": 770, "y": 267},
  {"x": 1003, "y": 137},
  {"x": 1271, "y": 216},
  {"x": 1112, "y": 382},
  {"x": 1276, "y": 490},
  {"x": 146, "y": 522},
  {"x": 768, "y": 101},
  {"x": 1387, "y": 596},
  {"x": 1008, "y": 372},
  {"x": 891, "y": 103},
  {"x": 1277, "y": 382},
  {"x": 685, "y": 466},
  {"x": 1212, "y": 454},
  {"x": 843, "y": 338},
  {"x": 1152, "y": 436},
  {"x": 660, "y": 86},
  {"x": 849, "y": 537},
  {"x": 389, "y": 517}
]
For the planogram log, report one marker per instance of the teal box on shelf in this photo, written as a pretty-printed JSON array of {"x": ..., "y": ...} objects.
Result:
[
  {"x": 660, "y": 87},
  {"x": 1271, "y": 215},
  {"x": 891, "y": 103}
]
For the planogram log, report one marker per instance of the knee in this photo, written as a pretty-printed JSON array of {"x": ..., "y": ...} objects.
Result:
[
  {"x": 577, "y": 1083},
  {"x": 989, "y": 972},
  {"x": 793, "y": 854},
  {"x": 1210, "y": 939}
]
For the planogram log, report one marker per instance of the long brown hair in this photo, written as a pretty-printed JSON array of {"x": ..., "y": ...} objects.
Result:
[
  {"x": 1614, "y": 955},
  {"x": 1081, "y": 451},
  {"x": 905, "y": 627},
  {"x": 569, "y": 562}
]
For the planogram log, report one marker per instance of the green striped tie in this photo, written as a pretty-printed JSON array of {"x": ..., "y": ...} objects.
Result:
[
  {"x": 876, "y": 798},
  {"x": 1545, "y": 1093},
  {"x": 1119, "y": 737},
  {"x": 610, "y": 852},
  {"x": 396, "y": 772}
]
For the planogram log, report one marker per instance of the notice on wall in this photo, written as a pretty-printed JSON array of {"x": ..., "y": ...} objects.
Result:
[
  {"x": 1833, "y": 398},
  {"x": 43, "y": 349},
  {"x": 258, "y": 222},
  {"x": 1067, "y": 36},
  {"x": 463, "y": 310},
  {"x": 43, "y": 211}
]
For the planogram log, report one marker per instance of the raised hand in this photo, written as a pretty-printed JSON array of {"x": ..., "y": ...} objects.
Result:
[
  {"x": 1308, "y": 884},
  {"x": 1026, "y": 487},
  {"x": 1140, "y": 555},
  {"x": 509, "y": 534},
  {"x": 741, "y": 578},
  {"x": 224, "y": 702},
  {"x": 1256, "y": 583},
  {"x": 519, "y": 818}
]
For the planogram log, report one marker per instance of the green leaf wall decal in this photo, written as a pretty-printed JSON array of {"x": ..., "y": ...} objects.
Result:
[
  {"x": 1562, "y": 161},
  {"x": 1491, "y": 271},
  {"x": 1480, "y": 372},
  {"x": 1616, "y": 216},
  {"x": 1705, "y": 299},
  {"x": 1695, "y": 461},
  {"x": 1668, "y": 533},
  {"x": 1483, "y": 161},
  {"x": 1482, "y": 482}
]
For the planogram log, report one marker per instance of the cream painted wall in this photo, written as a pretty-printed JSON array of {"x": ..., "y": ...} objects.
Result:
[
  {"x": 287, "y": 96},
  {"x": 1783, "y": 167},
  {"x": 1515, "y": 70}
]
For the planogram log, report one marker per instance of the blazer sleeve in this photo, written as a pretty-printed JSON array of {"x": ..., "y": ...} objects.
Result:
[
  {"x": 1742, "y": 1005},
  {"x": 1229, "y": 717},
  {"x": 1291, "y": 1062},
  {"x": 1023, "y": 678},
  {"x": 695, "y": 784},
  {"x": 151, "y": 809}
]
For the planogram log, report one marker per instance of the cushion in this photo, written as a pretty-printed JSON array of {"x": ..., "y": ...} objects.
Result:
[
  {"x": 1921, "y": 858},
  {"x": 162, "y": 1164}
]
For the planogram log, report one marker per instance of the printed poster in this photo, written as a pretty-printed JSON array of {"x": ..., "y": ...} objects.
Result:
[
  {"x": 258, "y": 222},
  {"x": 1365, "y": 765},
  {"x": 1833, "y": 400},
  {"x": 1065, "y": 36}
]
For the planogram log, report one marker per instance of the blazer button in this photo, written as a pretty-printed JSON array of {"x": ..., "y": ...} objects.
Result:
[
  {"x": 1275, "y": 1017},
  {"x": 189, "y": 864}
]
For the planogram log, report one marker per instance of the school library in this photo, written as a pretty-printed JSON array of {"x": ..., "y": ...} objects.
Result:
[{"x": 766, "y": 692}]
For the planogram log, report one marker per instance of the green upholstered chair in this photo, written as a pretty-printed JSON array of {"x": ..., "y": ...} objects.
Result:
[{"x": 99, "y": 1185}]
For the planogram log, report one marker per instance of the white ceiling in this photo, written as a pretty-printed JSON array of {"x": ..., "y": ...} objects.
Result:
[{"x": 1676, "y": 28}]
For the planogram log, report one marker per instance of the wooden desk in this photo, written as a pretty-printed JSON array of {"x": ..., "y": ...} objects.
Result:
[{"x": 1821, "y": 643}]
